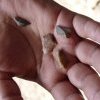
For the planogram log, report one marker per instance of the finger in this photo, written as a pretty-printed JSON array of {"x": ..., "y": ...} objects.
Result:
[
  {"x": 63, "y": 60},
  {"x": 8, "y": 88},
  {"x": 56, "y": 82},
  {"x": 65, "y": 19},
  {"x": 13, "y": 8},
  {"x": 84, "y": 78},
  {"x": 65, "y": 91},
  {"x": 89, "y": 53},
  {"x": 87, "y": 28}
]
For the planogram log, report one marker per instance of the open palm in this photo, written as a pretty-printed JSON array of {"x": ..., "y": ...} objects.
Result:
[{"x": 21, "y": 48}]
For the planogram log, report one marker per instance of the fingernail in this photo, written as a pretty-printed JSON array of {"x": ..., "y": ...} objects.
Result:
[
  {"x": 61, "y": 60},
  {"x": 49, "y": 42},
  {"x": 21, "y": 21},
  {"x": 63, "y": 31}
]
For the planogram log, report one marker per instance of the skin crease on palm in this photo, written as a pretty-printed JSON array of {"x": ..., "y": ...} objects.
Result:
[{"x": 21, "y": 50}]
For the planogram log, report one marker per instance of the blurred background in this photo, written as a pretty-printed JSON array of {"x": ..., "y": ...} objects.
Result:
[{"x": 91, "y": 8}]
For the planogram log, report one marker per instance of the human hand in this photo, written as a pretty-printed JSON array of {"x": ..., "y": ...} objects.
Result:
[
  {"x": 85, "y": 76},
  {"x": 47, "y": 74}
]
